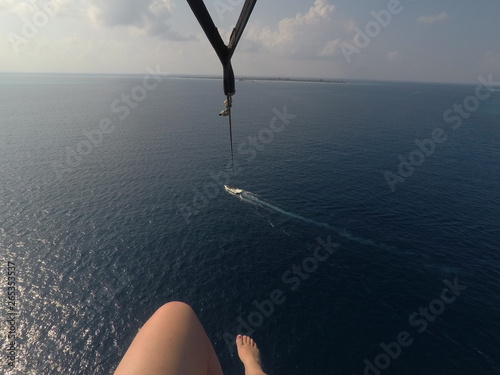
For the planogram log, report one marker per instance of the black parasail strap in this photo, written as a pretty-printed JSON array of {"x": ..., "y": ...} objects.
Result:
[
  {"x": 240, "y": 25},
  {"x": 223, "y": 52}
]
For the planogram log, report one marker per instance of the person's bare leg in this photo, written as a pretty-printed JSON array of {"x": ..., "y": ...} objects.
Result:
[
  {"x": 249, "y": 355},
  {"x": 172, "y": 342}
]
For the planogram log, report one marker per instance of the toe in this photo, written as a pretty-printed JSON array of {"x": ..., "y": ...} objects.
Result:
[{"x": 239, "y": 340}]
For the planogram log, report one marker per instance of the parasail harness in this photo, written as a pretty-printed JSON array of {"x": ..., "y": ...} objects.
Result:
[{"x": 224, "y": 52}]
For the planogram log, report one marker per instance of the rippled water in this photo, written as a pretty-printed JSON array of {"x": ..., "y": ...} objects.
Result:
[{"x": 102, "y": 235}]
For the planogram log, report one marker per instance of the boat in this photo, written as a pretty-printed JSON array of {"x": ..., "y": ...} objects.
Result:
[{"x": 233, "y": 190}]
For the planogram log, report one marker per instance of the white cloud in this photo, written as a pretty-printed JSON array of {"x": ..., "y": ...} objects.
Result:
[
  {"x": 393, "y": 56},
  {"x": 148, "y": 16},
  {"x": 433, "y": 18},
  {"x": 84, "y": 52},
  {"x": 310, "y": 34},
  {"x": 20, "y": 8},
  {"x": 27, "y": 9},
  {"x": 331, "y": 48}
]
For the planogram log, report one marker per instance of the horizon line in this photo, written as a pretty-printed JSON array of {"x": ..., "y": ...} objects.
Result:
[{"x": 242, "y": 77}]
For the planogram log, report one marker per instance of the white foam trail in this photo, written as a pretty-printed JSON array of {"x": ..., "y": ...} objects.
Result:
[
  {"x": 251, "y": 198},
  {"x": 246, "y": 195}
]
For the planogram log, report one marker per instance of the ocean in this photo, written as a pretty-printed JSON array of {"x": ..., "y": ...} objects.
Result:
[{"x": 365, "y": 242}]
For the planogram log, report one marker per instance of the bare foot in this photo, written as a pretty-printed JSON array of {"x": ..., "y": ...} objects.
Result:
[{"x": 249, "y": 355}]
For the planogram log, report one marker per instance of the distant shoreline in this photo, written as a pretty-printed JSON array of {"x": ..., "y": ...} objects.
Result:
[
  {"x": 181, "y": 76},
  {"x": 273, "y": 79},
  {"x": 217, "y": 77}
]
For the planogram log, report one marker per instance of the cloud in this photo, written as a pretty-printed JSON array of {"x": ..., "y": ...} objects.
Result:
[
  {"x": 29, "y": 8},
  {"x": 148, "y": 16},
  {"x": 331, "y": 47},
  {"x": 433, "y": 18},
  {"x": 19, "y": 8},
  {"x": 393, "y": 56},
  {"x": 306, "y": 35}
]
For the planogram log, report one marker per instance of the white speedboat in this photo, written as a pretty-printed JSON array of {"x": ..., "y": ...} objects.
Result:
[{"x": 233, "y": 190}]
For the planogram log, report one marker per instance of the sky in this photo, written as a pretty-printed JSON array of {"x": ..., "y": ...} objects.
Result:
[{"x": 398, "y": 40}]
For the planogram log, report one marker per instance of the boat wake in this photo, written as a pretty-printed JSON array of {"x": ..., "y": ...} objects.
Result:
[{"x": 249, "y": 197}]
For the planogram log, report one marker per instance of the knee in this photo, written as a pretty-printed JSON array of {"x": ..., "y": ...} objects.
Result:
[{"x": 176, "y": 307}]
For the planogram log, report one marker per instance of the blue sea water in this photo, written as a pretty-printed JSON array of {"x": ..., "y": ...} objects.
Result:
[{"x": 111, "y": 205}]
